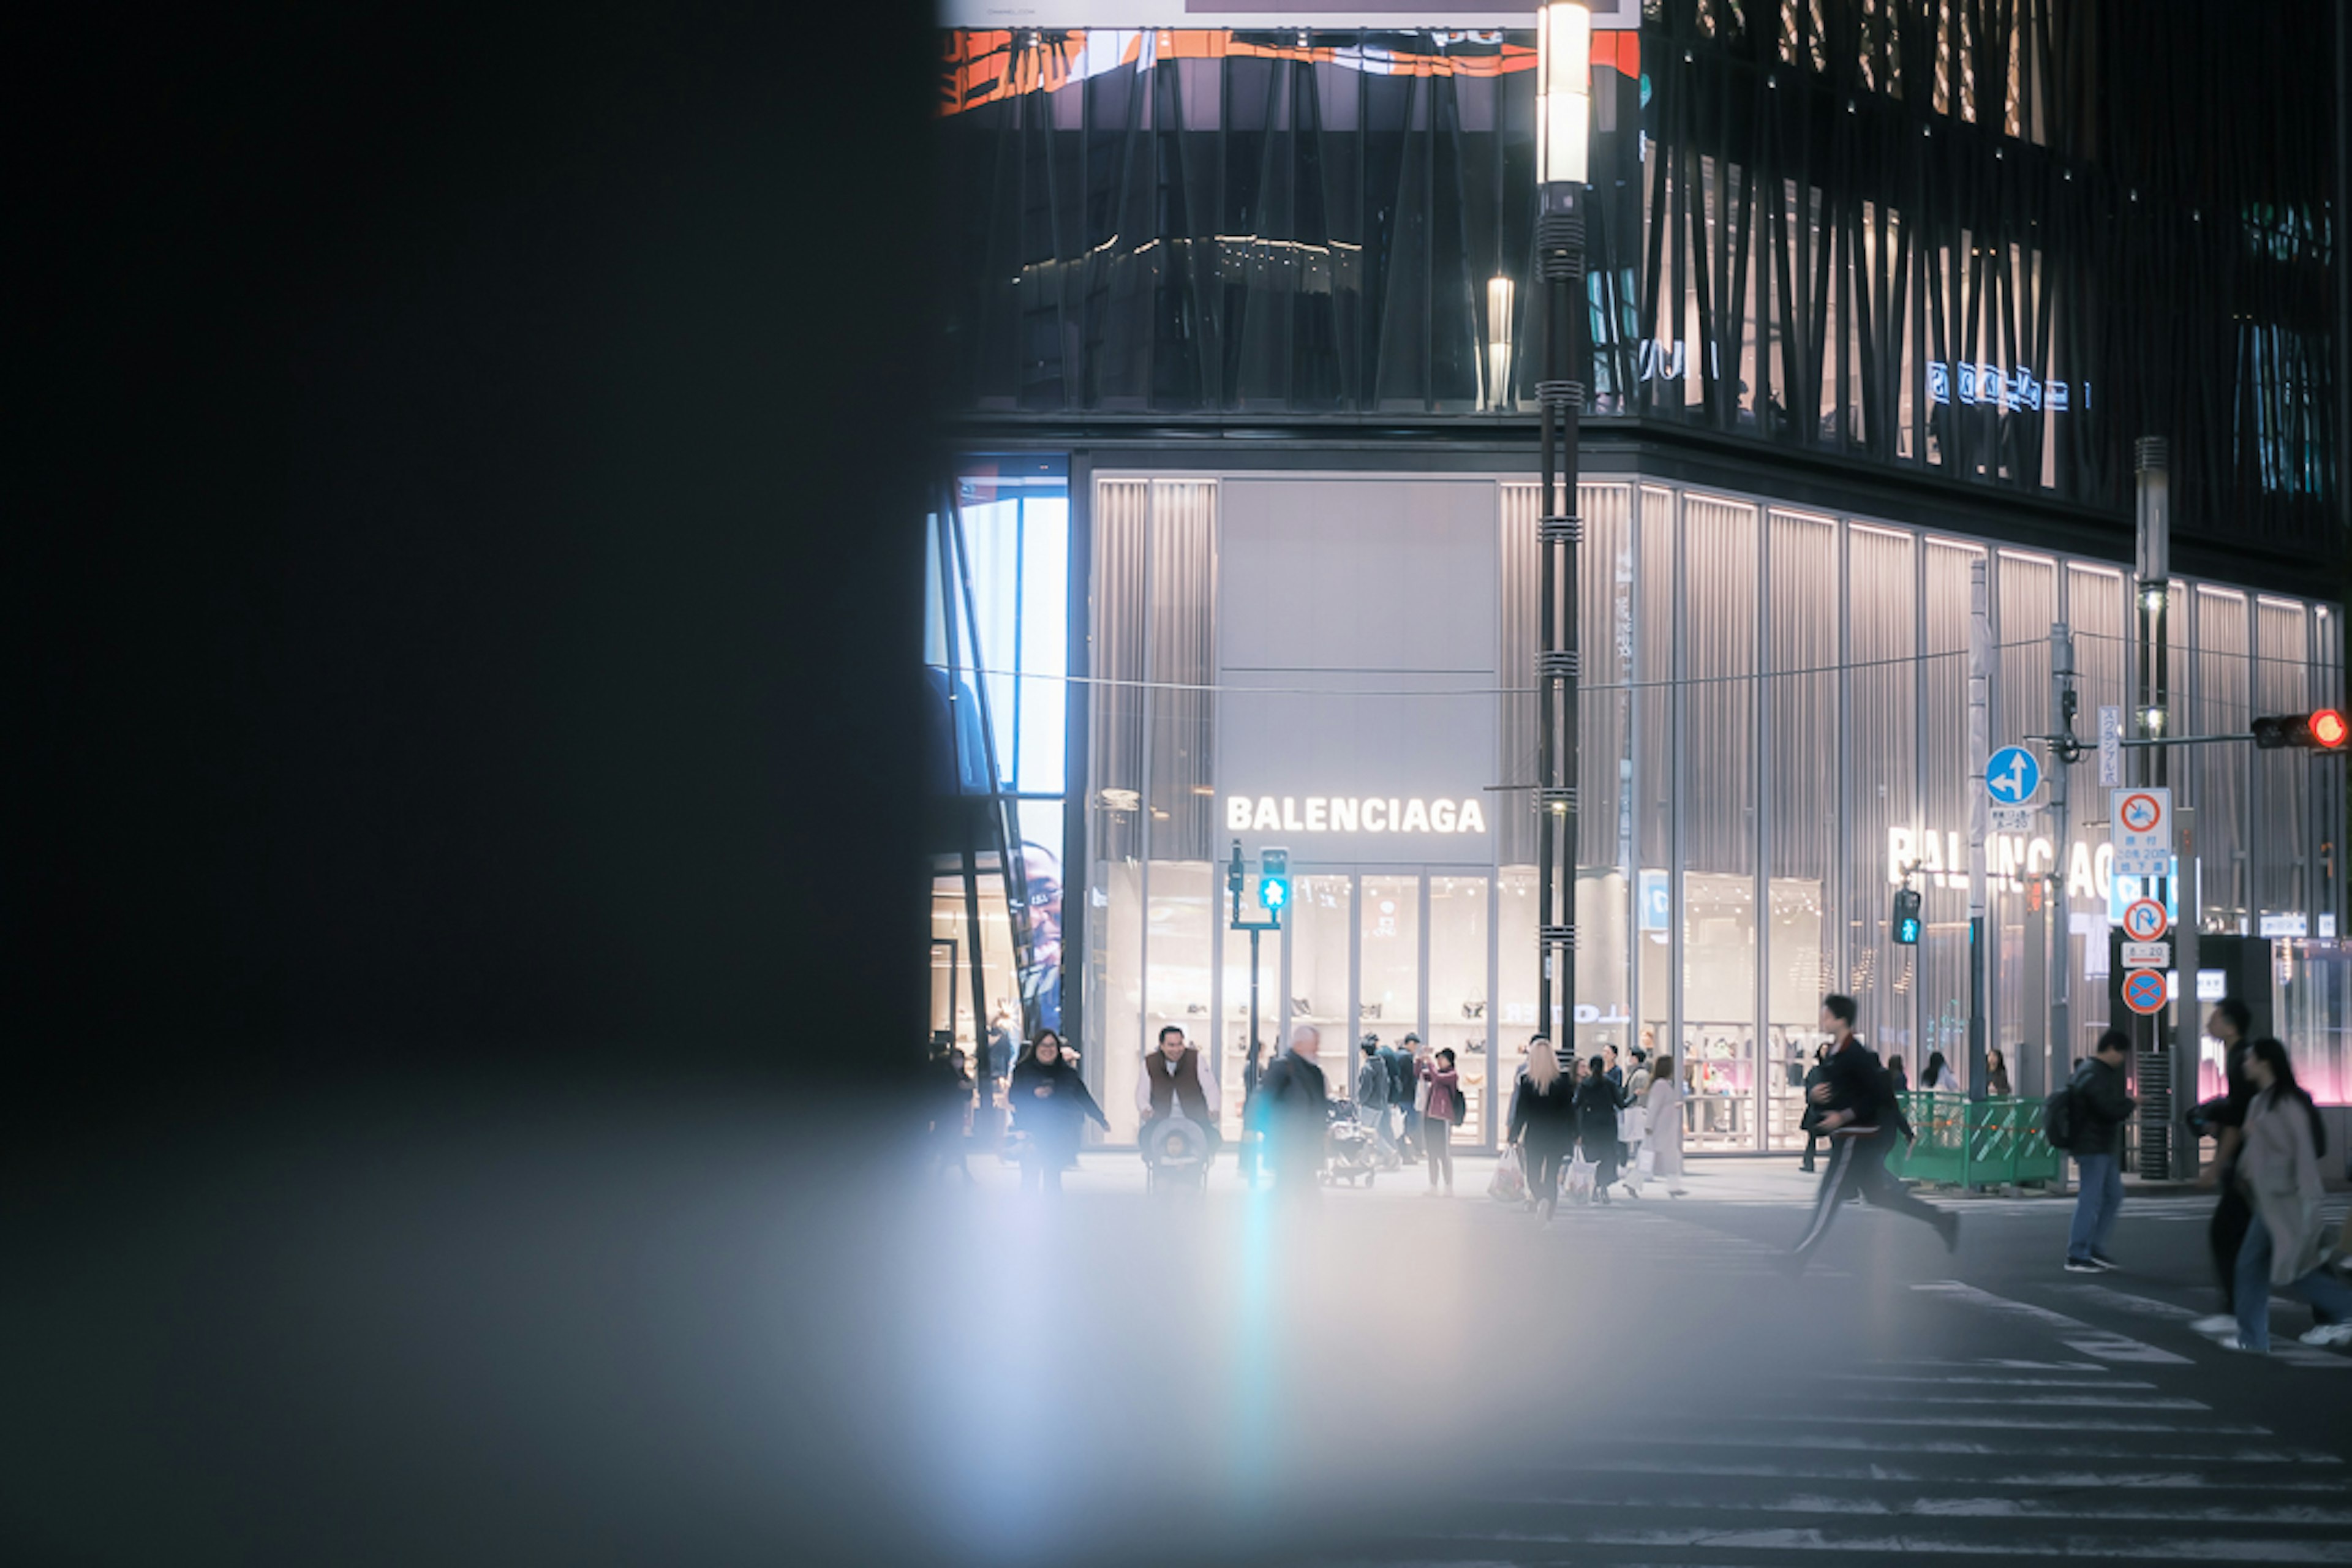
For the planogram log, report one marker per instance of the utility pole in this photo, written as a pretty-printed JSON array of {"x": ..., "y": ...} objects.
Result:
[
  {"x": 1563, "y": 121},
  {"x": 2058, "y": 1045},
  {"x": 1980, "y": 812}
]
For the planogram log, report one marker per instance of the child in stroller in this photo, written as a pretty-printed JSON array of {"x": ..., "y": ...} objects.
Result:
[{"x": 1349, "y": 1149}]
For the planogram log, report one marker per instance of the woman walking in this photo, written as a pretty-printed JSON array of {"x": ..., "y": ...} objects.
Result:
[
  {"x": 1996, "y": 1074},
  {"x": 1543, "y": 1122},
  {"x": 1050, "y": 1105},
  {"x": 1937, "y": 1074},
  {"x": 2278, "y": 1166},
  {"x": 1666, "y": 1126},
  {"x": 1439, "y": 1114},
  {"x": 1598, "y": 1102}
]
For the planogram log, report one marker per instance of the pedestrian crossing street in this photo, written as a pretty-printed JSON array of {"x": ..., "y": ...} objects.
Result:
[{"x": 2027, "y": 1459}]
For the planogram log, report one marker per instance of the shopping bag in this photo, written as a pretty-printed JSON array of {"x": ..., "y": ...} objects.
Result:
[
  {"x": 1421, "y": 1096},
  {"x": 1580, "y": 1172},
  {"x": 1633, "y": 1125},
  {"x": 1510, "y": 1182},
  {"x": 1646, "y": 1163}
]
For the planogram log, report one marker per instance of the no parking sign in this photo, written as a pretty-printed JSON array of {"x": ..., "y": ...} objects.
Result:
[{"x": 2144, "y": 991}]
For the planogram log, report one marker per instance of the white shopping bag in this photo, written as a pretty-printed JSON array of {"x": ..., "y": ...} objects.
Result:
[{"x": 1580, "y": 1172}]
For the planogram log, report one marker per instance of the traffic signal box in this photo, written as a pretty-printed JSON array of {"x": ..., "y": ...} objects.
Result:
[
  {"x": 1907, "y": 917},
  {"x": 1274, "y": 878},
  {"x": 2324, "y": 730}
]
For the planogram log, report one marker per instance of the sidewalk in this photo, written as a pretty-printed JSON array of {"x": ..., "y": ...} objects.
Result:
[{"x": 1768, "y": 1179}]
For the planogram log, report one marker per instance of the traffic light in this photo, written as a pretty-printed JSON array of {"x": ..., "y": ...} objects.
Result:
[
  {"x": 2324, "y": 730},
  {"x": 1907, "y": 917},
  {"x": 1274, "y": 878}
]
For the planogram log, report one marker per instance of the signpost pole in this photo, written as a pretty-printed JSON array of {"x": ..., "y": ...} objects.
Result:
[
  {"x": 2152, "y": 459},
  {"x": 2189, "y": 1013}
]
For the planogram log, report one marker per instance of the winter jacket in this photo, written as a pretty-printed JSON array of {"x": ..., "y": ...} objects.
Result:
[
  {"x": 1053, "y": 1121},
  {"x": 1598, "y": 1102},
  {"x": 2101, "y": 1107},
  {"x": 1295, "y": 1101},
  {"x": 1371, "y": 1085}
]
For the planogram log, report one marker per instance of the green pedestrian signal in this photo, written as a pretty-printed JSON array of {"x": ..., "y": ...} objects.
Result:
[{"x": 1274, "y": 878}]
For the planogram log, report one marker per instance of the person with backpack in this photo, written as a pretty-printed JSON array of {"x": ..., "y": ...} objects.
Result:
[
  {"x": 2092, "y": 1107},
  {"x": 2286, "y": 1241},
  {"x": 1440, "y": 1113},
  {"x": 1862, "y": 1120}
]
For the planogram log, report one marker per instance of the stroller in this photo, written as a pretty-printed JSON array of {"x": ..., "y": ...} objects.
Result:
[
  {"x": 1176, "y": 1152},
  {"x": 1349, "y": 1149}
]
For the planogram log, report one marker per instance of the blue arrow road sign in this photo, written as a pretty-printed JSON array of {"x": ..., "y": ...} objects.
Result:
[{"x": 2013, "y": 776}]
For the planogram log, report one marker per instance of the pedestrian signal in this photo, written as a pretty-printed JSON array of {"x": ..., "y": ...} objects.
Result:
[
  {"x": 1274, "y": 878},
  {"x": 2324, "y": 730},
  {"x": 1907, "y": 918}
]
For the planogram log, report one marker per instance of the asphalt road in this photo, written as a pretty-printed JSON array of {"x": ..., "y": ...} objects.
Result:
[{"x": 683, "y": 1333}]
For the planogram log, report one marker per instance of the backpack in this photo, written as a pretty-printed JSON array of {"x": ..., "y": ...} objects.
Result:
[{"x": 2060, "y": 1122}]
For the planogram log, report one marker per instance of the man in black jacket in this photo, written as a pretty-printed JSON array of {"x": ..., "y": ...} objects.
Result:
[
  {"x": 2100, "y": 1106},
  {"x": 2230, "y": 1022},
  {"x": 1863, "y": 1121}
]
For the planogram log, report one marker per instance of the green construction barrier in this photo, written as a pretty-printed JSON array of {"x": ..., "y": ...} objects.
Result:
[{"x": 1974, "y": 1143}]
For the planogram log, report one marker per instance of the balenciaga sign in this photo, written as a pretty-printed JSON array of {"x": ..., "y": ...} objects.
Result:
[{"x": 1351, "y": 813}]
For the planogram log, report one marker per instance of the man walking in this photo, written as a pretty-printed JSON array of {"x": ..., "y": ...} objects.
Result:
[
  {"x": 1405, "y": 1084},
  {"x": 1176, "y": 1080},
  {"x": 1295, "y": 1096},
  {"x": 1372, "y": 1096},
  {"x": 2230, "y": 1022},
  {"x": 1863, "y": 1121},
  {"x": 2100, "y": 1106}
]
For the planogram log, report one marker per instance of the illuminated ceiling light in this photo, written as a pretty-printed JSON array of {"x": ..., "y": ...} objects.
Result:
[{"x": 1563, "y": 91}]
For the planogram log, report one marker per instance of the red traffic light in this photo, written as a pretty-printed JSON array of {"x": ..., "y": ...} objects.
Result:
[{"x": 2328, "y": 730}]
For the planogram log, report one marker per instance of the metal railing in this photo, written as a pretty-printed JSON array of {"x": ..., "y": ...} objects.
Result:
[{"x": 1975, "y": 1143}]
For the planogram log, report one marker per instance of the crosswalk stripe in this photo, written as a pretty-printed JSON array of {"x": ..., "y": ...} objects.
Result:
[
  {"x": 2074, "y": 1333},
  {"x": 1874, "y": 1443},
  {"x": 2135, "y": 1510},
  {"x": 2225, "y": 1549},
  {"x": 1880, "y": 1471},
  {"x": 2283, "y": 1349}
]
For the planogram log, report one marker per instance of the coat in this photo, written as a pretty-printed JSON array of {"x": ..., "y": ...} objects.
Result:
[
  {"x": 1294, "y": 1110},
  {"x": 1054, "y": 1120},
  {"x": 2278, "y": 1166},
  {"x": 1371, "y": 1085},
  {"x": 1665, "y": 1140},
  {"x": 2101, "y": 1106},
  {"x": 1598, "y": 1102},
  {"x": 1546, "y": 1120}
]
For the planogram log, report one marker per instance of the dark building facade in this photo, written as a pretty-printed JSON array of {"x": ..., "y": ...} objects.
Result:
[{"x": 1876, "y": 290}]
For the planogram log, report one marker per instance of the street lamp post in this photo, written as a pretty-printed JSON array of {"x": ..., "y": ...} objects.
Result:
[{"x": 1563, "y": 121}]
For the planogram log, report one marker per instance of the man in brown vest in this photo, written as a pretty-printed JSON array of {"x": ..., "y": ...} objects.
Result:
[{"x": 1176, "y": 1080}]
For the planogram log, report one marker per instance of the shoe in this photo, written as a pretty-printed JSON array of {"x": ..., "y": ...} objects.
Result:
[
  {"x": 2328, "y": 1334},
  {"x": 2104, "y": 1264},
  {"x": 2081, "y": 1266},
  {"x": 1676, "y": 1192},
  {"x": 1949, "y": 1227},
  {"x": 2232, "y": 1343},
  {"x": 1632, "y": 1191},
  {"x": 2218, "y": 1323},
  {"x": 1807, "y": 1167}
]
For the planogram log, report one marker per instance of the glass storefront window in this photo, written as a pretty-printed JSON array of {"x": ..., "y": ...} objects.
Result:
[
  {"x": 1720, "y": 929},
  {"x": 1390, "y": 1004},
  {"x": 1176, "y": 987},
  {"x": 1317, "y": 990},
  {"x": 1457, "y": 995}
]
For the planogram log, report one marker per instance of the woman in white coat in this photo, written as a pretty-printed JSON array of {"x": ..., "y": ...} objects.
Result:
[
  {"x": 2278, "y": 1165},
  {"x": 1662, "y": 1125}
]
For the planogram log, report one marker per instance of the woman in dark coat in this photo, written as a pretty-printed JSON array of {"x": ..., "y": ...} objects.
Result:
[
  {"x": 1050, "y": 1104},
  {"x": 1598, "y": 1102},
  {"x": 1543, "y": 1122}
]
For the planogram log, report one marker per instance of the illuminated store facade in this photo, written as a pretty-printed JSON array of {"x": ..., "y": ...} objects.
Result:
[{"x": 1877, "y": 291}]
